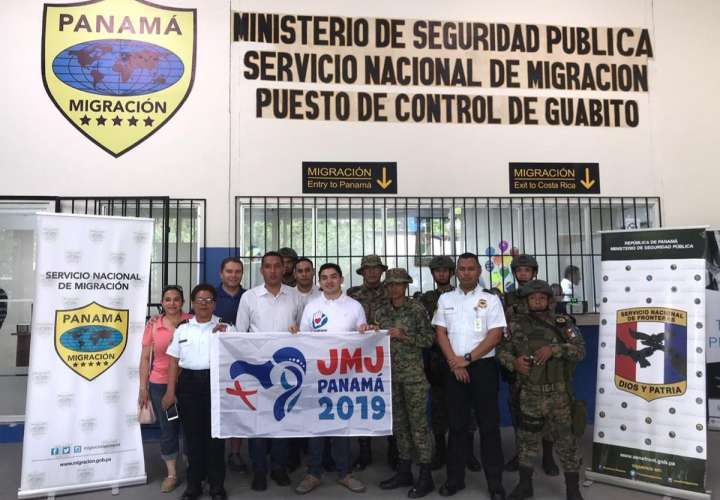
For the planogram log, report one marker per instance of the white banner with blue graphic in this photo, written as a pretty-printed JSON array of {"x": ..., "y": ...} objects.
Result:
[
  {"x": 91, "y": 285},
  {"x": 309, "y": 384}
]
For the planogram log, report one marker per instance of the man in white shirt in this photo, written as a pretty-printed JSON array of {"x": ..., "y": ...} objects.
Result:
[
  {"x": 469, "y": 323},
  {"x": 332, "y": 311},
  {"x": 270, "y": 307},
  {"x": 305, "y": 280}
]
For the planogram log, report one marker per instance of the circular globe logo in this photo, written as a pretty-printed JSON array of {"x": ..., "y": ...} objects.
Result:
[
  {"x": 118, "y": 67},
  {"x": 91, "y": 338}
]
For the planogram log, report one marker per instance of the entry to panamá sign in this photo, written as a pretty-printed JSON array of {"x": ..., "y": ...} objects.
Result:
[
  {"x": 118, "y": 70},
  {"x": 328, "y": 177},
  {"x": 554, "y": 178}
]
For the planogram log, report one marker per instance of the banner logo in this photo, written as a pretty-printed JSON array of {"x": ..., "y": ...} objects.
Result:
[
  {"x": 651, "y": 352},
  {"x": 90, "y": 339},
  {"x": 287, "y": 371},
  {"x": 118, "y": 70}
]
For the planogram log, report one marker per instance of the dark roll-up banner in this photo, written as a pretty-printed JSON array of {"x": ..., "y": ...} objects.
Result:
[
  {"x": 650, "y": 423},
  {"x": 712, "y": 299}
]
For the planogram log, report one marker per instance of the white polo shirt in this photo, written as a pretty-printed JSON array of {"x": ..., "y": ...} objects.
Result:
[
  {"x": 343, "y": 314},
  {"x": 261, "y": 311},
  {"x": 468, "y": 317},
  {"x": 191, "y": 344}
]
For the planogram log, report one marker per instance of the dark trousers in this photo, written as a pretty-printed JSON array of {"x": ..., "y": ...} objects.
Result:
[
  {"x": 258, "y": 449},
  {"x": 340, "y": 447},
  {"x": 206, "y": 456},
  {"x": 480, "y": 395}
]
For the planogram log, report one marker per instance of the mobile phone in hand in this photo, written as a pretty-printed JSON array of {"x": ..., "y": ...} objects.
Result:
[{"x": 172, "y": 412}]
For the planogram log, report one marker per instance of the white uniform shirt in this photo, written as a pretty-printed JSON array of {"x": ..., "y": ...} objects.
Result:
[
  {"x": 261, "y": 311},
  {"x": 191, "y": 344},
  {"x": 468, "y": 318},
  {"x": 305, "y": 298},
  {"x": 343, "y": 314}
]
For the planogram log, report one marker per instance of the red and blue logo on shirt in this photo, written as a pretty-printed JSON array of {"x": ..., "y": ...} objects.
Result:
[{"x": 319, "y": 320}]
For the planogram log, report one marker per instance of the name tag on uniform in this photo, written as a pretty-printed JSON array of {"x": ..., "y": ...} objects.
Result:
[{"x": 479, "y": 324}]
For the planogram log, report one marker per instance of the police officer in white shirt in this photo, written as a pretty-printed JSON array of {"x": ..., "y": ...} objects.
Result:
[
  {"x": 469, "y": 323},
  {"x": 270, "y": 307},
  {"x": 332, "y": 311},
  {"x": 190, "y": 350}
]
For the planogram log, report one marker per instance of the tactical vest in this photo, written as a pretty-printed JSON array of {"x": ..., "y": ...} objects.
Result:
[{"x": 553, "y": 370}]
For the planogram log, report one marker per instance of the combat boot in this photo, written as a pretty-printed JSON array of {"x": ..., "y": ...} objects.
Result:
[
  {"x": 524, "y": 488},
  {"x": 364, "y": 454},
  {"x": 392, "y": 453},
  {"x": 424, "y": 483},
  {"x": 403, "y": 477},
  {"x": 440, "y": 457},
  {"x": 572, "y": 486},
  {"x": 513, "y": 465},
  {"x": 548, "y": 460}
]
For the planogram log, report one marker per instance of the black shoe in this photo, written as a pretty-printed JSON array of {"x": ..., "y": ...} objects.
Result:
[
  {"x": 424, "y": 483},
  {"x": 365, "y": 454},
  {"x": 524, "y": 488},
  {"x": 513, "y": 464},
  {"x": 448, "y": 490},
  {"x": 280, "y": 477},
  {"x": 572, "y": 486},
  {"x": 440, "y": 457},
  {"x": 218, "y": 495},
  {"x": 392, "y": 453},
  {"x": 402, "y": 478},
  {"x": 191, "y": 494},
  {"x": 548, "y": 461},
  {"x": 259, "y": 482}
]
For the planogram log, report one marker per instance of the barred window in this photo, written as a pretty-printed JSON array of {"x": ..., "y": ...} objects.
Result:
[{"x": 561, "y": 232}]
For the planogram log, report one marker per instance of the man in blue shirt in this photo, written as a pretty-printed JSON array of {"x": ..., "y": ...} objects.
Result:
[{"x": 226, "y": 306}]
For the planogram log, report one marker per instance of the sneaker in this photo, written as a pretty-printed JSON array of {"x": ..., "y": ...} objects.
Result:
[
  {"x": 354, "y": 485},
  {"x": 308, "y": 484},
  {"x": 168, "y": 484},
  {"x": 235, "y": 463}
]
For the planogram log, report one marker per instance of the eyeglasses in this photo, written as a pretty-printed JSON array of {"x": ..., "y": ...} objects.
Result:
[{"x": 203, "y": 300}]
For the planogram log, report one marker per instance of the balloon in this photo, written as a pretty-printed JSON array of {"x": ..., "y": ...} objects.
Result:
[{"x": 504, "y": 245}]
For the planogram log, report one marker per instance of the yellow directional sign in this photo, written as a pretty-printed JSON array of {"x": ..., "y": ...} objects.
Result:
[
  {"x": 327, "y": 177},
  {"x": 554, "y": 178}
]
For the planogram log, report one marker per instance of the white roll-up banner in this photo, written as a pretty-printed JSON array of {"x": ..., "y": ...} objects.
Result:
[
  {"x": 91, "y": 287},
  {"x": 303, "y": 385},
  {"x": 650, "y": 419}
]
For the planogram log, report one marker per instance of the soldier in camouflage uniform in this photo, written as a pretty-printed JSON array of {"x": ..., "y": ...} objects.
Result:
[
  {"x": 371, "y": 294},
  {"x": 410, "y": 331},
  {"x": 524, "y": 268},
  {"x": 442, "y": 268},
  {"x": 542, "y": 349}
]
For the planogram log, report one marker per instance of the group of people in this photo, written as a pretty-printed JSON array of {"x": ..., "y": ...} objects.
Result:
[{"x": 448, "y": 344}]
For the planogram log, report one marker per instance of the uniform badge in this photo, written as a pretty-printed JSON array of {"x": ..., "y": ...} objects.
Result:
[
  {"x": 482, "y": 304},
  {"x": 560, "y": 320},
  {"x": 118, "y": 70},
  {"x": 90, "y": 339}
]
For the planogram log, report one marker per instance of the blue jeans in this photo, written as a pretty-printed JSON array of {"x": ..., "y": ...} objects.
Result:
[
  {"x": 169, "y": 431},
  {"x": 258, "y": 448},
  {"x": 340, "y": 451}
]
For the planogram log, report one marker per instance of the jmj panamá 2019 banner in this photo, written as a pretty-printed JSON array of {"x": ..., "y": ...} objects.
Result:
[
  {"x": 91, "y": 283},
  {"x": 650, "y": 420}
]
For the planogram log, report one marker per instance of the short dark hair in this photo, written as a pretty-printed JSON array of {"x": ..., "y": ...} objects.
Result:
[
  {"x": 227, "y": 260},
  {"x": 570, "y": 271},
  {"x": 303, "y": 259},
  {"x": 469, "y": 255},
  {"x": 203, "y": 287},
  {"x": 330, "y": 265},
  {"x": 177, "y": 288},
  {"x": 270, "y": 254}
]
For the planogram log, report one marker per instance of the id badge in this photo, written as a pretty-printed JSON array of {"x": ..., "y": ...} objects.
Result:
[{"x": 479, "y": 324}]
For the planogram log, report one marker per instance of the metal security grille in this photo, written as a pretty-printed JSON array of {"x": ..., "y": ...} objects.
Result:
[
  {"x": 179, "y": 235},
  {"x": 406, "y": 232}
]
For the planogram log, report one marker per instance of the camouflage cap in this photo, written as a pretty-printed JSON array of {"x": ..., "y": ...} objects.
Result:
[
  {"x": 371, "y": 260},
  {"x": 524, "y": 260},
  {"x": 288, "y": 252},
  {"x": 397, "y": 275},
  {"x": 536, "y": 286},
  {"x": 441, "y": 262}
]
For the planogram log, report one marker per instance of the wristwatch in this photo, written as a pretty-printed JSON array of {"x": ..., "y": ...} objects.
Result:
[{"x": 468, "y": 357}]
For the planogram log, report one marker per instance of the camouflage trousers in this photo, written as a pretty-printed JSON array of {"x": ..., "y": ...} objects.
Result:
[
  {"x": 410, "y": 423},
  {"x": 547, "y": 414},
  {"x": 514, "y": 407}
]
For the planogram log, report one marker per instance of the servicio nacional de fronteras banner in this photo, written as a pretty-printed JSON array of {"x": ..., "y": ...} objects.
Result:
[
  {"x": 309, "y": 384},
  {"x": 91, "y": 283}
]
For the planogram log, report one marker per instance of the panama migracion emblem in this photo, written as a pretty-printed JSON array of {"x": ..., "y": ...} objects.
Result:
[
  {"x": 90, "y": 339},
  {"x": 118, "y": 70},
  {"x": 651, "y": 352}
]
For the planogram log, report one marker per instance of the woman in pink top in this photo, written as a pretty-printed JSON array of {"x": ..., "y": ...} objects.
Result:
[{"x": 153, "y": 382}]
